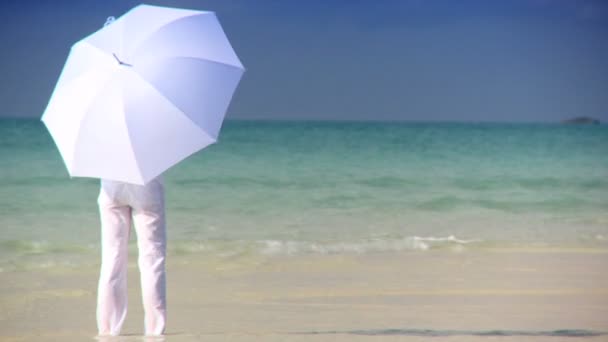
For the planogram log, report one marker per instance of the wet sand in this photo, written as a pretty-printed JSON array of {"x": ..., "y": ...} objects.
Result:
[{"x": 498, "y": 295}]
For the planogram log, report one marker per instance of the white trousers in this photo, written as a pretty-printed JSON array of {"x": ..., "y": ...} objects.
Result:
[{"x": 120, "y": 205}]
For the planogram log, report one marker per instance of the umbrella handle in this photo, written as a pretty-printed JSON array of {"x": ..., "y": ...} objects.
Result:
[{"x": 109, "y": 20}]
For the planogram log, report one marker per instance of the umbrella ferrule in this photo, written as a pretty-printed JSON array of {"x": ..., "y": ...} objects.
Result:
[{"x": 109, "y": 20}]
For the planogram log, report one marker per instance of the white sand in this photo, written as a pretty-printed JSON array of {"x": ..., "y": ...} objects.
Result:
[{"x": 392, "y": 297}]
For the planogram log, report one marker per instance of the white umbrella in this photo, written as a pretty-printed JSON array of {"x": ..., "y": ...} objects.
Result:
[{"x": 142, "y": 93}]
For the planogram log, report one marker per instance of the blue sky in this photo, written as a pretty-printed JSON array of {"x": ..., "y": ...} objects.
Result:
[{"x": 423, "y": 60}]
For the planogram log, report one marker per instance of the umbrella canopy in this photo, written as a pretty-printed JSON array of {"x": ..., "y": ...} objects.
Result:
[{"x": 142, "y": 93}]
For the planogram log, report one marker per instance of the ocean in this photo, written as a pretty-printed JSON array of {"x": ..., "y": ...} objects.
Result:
[{"x": 279, "y": 189}]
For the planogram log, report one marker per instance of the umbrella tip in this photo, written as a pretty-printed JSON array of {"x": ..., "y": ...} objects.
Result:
[{"x": 109, "y": 20}]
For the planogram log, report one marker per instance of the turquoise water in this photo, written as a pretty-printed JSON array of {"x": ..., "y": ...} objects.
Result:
[{"x": 283, "y": 188}]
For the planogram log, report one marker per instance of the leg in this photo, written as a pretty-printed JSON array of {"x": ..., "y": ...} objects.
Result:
[
  {"x": 112, "y": 291},
  {"x": 149, "y": 221}
]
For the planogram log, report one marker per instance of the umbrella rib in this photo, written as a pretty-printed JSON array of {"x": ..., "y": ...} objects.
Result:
[
  {"x": 238, "y": 67},
  {"x": 137, "y": 164},
  {"x": 129, "y": 136},
  {"x": 80, "y": 132},
  {"x": 232, "y": 66},
  {"x": 210, "y": 61},
  {"x": 151, "y": 34},
  {"x": 206, "y": 134},
  {"x": 160, "y": 92},
  {"x": 181, "y": 110},
  {"x": 82, "y": 118}
]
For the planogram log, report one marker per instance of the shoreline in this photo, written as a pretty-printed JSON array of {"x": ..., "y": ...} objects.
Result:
[{"x": 42, "y": 256}]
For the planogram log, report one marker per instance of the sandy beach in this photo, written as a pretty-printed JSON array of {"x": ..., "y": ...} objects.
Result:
[{"x": 506, "y": 295}]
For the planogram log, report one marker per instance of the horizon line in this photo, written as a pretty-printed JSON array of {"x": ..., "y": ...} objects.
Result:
[{"x": 358, "y": 120}]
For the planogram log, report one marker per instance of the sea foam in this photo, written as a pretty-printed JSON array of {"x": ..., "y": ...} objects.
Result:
[{"x": 414, "y": 243}]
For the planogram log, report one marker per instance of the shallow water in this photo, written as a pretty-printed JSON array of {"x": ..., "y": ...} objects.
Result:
[{"x": 289, "y": 188}]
